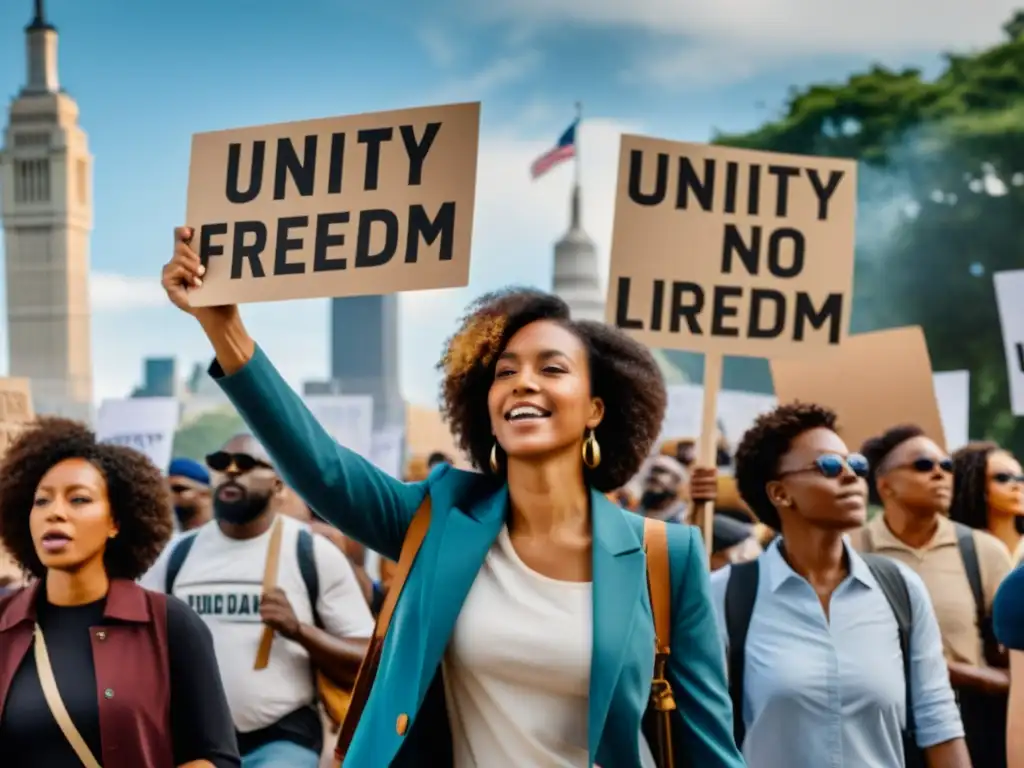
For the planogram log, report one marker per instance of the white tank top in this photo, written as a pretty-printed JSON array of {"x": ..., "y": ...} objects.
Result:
[{"x": 517, "y": 669}]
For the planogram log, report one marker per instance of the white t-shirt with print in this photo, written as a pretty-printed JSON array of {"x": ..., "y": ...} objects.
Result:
[{"x": 222, "y": 579}]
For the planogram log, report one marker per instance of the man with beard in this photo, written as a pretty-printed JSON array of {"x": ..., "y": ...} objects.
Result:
[
  {"x": 661, "y": 497},
  {"x": 317, "y": 610},
  {"x": 189, "y": 482}
]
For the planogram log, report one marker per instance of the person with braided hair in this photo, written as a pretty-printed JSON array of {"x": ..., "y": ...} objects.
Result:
[{"x": 988, "y": 493}]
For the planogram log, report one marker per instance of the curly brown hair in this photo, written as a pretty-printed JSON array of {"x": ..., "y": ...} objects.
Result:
[
  {"x": 764, "y": 445},
  {"x": 139, "y": 499},
  {"x": 623, "y": 374}
]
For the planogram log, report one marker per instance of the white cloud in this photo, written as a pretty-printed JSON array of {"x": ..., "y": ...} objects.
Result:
[
  {"x": 120, "y": 293},
  {"x": 743, "y": 34},
  {"x": 501, "y": 72}
]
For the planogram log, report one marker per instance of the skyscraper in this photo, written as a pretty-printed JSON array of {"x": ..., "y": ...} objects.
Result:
[
  {"x": 364, "y": 354},
  {"x": 46, "y": 207}
]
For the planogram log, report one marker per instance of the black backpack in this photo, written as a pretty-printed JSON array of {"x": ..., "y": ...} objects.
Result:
[
  {"x": 740, "y": 596},
  {"x": 304, "y": 552}
]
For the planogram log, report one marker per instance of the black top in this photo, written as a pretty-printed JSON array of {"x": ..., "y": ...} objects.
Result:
[{"x": 201, "y": 726}]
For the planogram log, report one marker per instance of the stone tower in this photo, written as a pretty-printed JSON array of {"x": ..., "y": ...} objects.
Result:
[
  {"x": 46, "y": 206},
  {"x": 576, "y": 275}
]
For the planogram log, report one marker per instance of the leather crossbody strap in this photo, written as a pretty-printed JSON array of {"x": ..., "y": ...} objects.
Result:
[
  {"x": 659, "y": 585},
  {"x": 414, "y": 535},
  {"x": 56, "y": 703}
]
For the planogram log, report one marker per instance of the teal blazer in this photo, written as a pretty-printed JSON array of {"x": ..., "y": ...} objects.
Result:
[{"x": 468, "y": 511}]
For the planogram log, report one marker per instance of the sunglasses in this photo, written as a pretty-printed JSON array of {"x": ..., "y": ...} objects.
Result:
[
  {"x": 832, "y": 465},
  {"x": 1004, "y": 478},
  {"x": 243, "y": 462},
  {"x": 925, "y": 465}
]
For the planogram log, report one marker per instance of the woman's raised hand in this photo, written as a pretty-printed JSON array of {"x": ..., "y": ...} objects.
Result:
[{"x": 184, "y": 272}]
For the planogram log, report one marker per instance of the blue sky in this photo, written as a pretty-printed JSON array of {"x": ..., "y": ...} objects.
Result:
[{"x": 148, "y": 75}]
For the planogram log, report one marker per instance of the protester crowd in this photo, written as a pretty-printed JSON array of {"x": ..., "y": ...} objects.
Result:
[{"x": 861, "y": 609}]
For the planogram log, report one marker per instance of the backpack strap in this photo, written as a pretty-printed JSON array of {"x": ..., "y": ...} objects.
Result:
[
  {"x": 659, "y": 585},
  {"x": 176, "y": 559},
  {"x": 740, "y": 596},
  {"x": 969, "y": 554},
  {"x": 306, "y": 553},
  {"x": 894, "y": 587}
]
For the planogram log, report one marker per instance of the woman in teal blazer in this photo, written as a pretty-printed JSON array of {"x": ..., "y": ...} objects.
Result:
[{"x": 524, "y": 636}]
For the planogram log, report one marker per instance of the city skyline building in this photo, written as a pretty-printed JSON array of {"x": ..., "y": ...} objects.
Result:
[{"x": 46, "y": 209}]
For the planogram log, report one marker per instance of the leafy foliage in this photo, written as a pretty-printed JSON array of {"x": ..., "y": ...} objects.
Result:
[
  {"x": 941, "y": 201},
  {"x": 206, "y": 433}
]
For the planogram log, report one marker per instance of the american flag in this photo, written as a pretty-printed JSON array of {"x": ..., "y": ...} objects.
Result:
[{"x": 564, "y": 150}]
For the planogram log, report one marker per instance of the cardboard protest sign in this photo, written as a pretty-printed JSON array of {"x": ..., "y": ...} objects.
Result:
[
  {"x": 346, "y": 206},
  {"x": 15, "y": 409},
  {"x": 426, "y": 432},
  {"x": 732, "y": 252},
  {"x": 873, "y": 382},
  {"x": 1009, "y": 291},
  {"x": 146, "y": 424}
]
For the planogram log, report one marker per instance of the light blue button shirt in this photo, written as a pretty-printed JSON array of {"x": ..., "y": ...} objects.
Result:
[{"x": 829, "y": 693}]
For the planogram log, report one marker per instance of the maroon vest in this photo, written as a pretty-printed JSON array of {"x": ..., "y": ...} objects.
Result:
[{"x": 132, "y": 671}]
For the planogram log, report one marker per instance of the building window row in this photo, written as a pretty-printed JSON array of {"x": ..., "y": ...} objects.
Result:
[{"x": 32, "y": 181}]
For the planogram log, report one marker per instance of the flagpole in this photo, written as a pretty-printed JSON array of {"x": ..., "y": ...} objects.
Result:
[{"x": 576, "y": 158}]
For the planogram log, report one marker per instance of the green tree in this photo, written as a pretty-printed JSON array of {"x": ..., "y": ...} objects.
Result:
[
  {"x": 207, "y": 433},
  {"x": 941, "y": 198}
]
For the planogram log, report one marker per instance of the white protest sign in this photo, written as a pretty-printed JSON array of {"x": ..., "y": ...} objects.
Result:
[
  {"x": 953, "y": 391},
  {"x": 347, "y": 418},
  {"x": 736, "y": 411},
  {"x": 146, "y": 424},
  {"x": 386, "y": 450},
  {"x": 1009, "y": 292}
]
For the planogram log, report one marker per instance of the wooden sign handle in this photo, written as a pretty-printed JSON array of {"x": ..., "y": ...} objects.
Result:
[
  {"x": 269, "y": 582},
  {"x": 707, "y": 450}
]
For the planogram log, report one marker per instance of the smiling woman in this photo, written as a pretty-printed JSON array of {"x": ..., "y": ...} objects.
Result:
[
  {"x": 524, "y": 632},
  {"x": 86, "y": 519}
]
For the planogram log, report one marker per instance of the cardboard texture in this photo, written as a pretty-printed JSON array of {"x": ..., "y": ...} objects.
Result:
[
  {"x": 685, "y": 270},
  {"x": 15, "y": 409},
  {"x": 346, "y": 206},
  {"x": 426, "y": 431},
  {"x": 875, "y": 381},
  {"x": 15, "y": 413}
]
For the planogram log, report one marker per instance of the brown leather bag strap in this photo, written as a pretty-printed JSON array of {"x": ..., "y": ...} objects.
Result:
[
  {"x": 56, "y": 703},
  {"x": 659, "y": 584},
  {"x": 414, "y": 536}
]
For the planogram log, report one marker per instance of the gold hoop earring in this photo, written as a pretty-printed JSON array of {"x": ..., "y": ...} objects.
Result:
[
  {"x": 494, "y": 458},
  {"x": 591, "y": 451}
]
